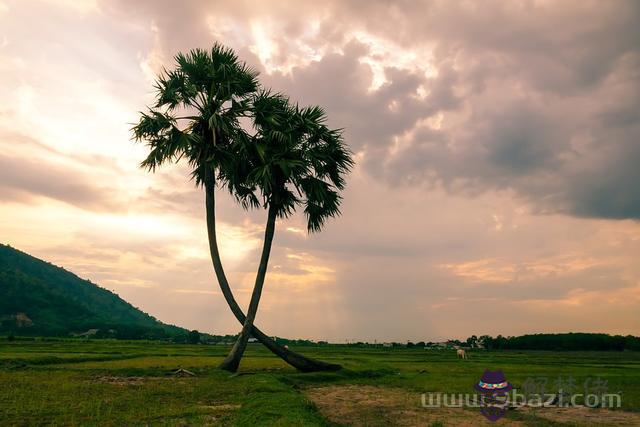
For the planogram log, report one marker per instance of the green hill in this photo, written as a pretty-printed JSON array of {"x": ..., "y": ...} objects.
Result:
[{"x": 38, "y": 298}]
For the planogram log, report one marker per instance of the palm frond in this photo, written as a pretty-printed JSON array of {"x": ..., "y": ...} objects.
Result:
[{"x": 293, "y": 148}]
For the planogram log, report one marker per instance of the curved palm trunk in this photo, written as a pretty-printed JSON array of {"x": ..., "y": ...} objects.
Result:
[
  {"x": 296, "y": 360},
  {"x": 232, "y": 361}
]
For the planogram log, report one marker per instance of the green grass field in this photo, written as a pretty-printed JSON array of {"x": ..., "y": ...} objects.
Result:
[{"x": 131, "y": 383}]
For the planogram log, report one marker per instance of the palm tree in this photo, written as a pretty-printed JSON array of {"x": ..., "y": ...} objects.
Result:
[
  {"x": 294, "y": 160},
  {"x": 196, "y": 117}
]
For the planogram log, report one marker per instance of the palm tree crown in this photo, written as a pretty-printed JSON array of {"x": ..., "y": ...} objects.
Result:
[
  {"x": 296, "y": 159},
  {"x": 196, "y": 114}
]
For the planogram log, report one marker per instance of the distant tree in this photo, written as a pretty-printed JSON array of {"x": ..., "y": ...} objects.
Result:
[
  {"x": 482, "y": 340},
  {"x": 193, "y": 337},
  {"x": 472, "y": 341},
  {"x": 632, "y": 343}
]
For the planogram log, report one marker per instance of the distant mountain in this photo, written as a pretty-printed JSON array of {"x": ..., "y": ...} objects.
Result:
[{"x": 39, "y": 298}]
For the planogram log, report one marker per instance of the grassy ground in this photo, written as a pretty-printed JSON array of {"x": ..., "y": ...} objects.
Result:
[{"x": 130, "y": 383}]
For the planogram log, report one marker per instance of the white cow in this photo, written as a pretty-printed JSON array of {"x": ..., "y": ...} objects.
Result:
[{"x": 461, "y": 353}]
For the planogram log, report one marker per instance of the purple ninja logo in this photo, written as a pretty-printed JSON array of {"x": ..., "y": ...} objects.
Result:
[{"x": 493, "y": 388}]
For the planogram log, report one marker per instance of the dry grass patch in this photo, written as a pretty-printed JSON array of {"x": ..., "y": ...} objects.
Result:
[
  {"x": 362, "y": 405},
  {"x": 584, "y": 416}
]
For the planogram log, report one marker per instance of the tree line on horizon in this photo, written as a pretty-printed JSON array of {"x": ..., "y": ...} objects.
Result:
[
  {"x": 571, "y": 341},
  {"x": 575, "y": 341},
  {"x": 542, "y": 342}
]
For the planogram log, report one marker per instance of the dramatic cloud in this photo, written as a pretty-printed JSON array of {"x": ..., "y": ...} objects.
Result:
[{"x": 472, "y": 98}]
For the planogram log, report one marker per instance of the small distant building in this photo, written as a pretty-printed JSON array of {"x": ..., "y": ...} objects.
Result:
[
  {"x": 19, "y": 319},
  {"x": 440, "y": 345},
  {"x": 89, "y": 333},
  {"x": 23, "y": 320},
  {"x": 387, "y": 344},
  {"x": 252, "y": 340}
]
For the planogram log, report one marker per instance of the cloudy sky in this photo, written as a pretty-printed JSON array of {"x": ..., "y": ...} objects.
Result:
[{"x": 497, "y": 187}]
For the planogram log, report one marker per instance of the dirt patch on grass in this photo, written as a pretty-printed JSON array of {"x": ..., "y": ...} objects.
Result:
[
  {"x": 586, "y": 416},
  {"x": 357, "y": 405}
]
